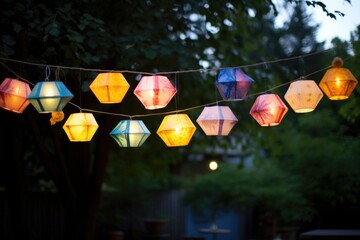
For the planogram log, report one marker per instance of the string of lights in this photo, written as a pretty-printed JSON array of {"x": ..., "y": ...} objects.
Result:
[
  {"x": 155, "y": 90},
  {"x": 264, "y": 63}
]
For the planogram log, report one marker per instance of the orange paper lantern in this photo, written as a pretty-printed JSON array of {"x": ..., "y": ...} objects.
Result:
[
  {"x": 13, "y": 95},
  {"x": 217, "y": 120},
  {"x": 176, "y": 130},
  {"x": 268, "y": 110},
  {"x": 109, "y": 87},
  {"x": 154, "y": 92},
  {"x": 303, "y": 96},
  {"x": 338, "y": 83}
]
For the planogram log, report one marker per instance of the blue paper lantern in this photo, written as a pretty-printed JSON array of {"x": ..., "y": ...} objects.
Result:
[
  {"x": 130, "y": 133},
  {"x": 49, "y": 96},
  {"x": 233, "y": 83}
]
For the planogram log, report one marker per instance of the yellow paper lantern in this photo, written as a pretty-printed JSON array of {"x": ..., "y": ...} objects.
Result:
[
  {"x": 338, "y": 83},
  {"x": 109, "y": 87},
  {"x": 217, "y": 120},
  {"x": 13, "y": 95},
  {"x": 176, "y": 130},
  {"x": 268, "y": 110},
  {"x": 80, "y": 127},
  {"x": 303, "y": 96},
  {"x": 154, "y": 92}
]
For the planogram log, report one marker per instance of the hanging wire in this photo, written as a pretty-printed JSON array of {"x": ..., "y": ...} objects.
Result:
[
  {"x": 47, "y": 73},
  {"x": 169, "y": 72}
]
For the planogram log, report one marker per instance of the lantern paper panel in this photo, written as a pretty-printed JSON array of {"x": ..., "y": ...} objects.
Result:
[
  {"x": 233, "y": 83},
  {"x": 217, "y": 120},
  {"x": 268, "y": 110},
  {"x": 49, "y": 96},
  {"x": 130, "y": 133},
  {"x": 176, "y": 130},
  {"x": 80, "y": 127},
  {"x": 303, "y": 96},
  {"x": 155, "y": 92},
  {"x": 13, "y": 95},
  {"x": 338, "y": 83},
  {"x": 109, "y": 87}
]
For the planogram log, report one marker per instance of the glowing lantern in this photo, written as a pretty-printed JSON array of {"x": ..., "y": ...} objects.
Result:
[
  {"x": 13, "y": 95},
  {"x": 268, "y": 110},
  {"x": 233, "y": 83},
  {"x": 130, "y": 133},
  {"x": 303, "y": 96},
  {"x": 80, "y": 127},
  {"x": 176, "y": 130},
  {"x": 109, "y": 87},
  {"x": 154, "y": 92},
  {"x": 49, "y": 96},
  {"x": 338, "y": 82},
  {"x": 217, "y": 120}
]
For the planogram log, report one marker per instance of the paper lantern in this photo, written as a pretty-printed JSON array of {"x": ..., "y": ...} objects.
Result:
[
  {"x": 154, "y": 92},
  {"x": 80, "y": 127},
  {"x": 13, "y": 95},
  {"x": 49, "y": 96},
  {"x": 217, "y": 120},
  {"x": 176, "y": 130},
  {"x": 268, "y": 110},
  {"x": 233, "y": 83},
  {"x": 109, "y": 87},
  {"x": 338, "y": 83},
  {"x": 130, "y": 133},
  {"x": 303, "y": 96}
]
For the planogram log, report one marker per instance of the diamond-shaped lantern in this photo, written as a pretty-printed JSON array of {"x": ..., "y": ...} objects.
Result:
[
  {"x": 13, "y": 95},
  {"x": 176, "y": 130},
  {"x": 80, "y": 127},
  {"x": 49, "y": 96},
  {"x": 233, "y": 83},
  {"x": 268, "y": 110},
  {"x": 154, "y": 92},
  {"x": 338, "y": 83},
  {"x": 109, "y": 87},
  {"x": 130, "y": 133},
  {"x": 303, "y": 96},
  {"x": 217, "y": 120}
]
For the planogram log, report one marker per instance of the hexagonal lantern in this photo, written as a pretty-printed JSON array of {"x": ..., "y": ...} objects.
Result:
[
  {"x": 154, "y": 92},
  {"x": 130, "y": 133},
  {"x": 233, "y": 83},
  {"x": 303, "y": 96},
  {"x": 13, "y": 95},
  {"x": 110, "y": 87},
  {"x": 80, "y": 127},
  {"x": 338, "y": 83},
  {"x": 217, "y": 120},
  {"x": 49, "y": 96},
  {"x": 268, "y": 110},
  {"x": 176, "y": 130}
]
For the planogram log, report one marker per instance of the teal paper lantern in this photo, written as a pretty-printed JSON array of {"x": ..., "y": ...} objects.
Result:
[
  {"x": 233, "y": 83},
  {"x": 130, "y": 133},
  {"x": 49, "y": 96}
]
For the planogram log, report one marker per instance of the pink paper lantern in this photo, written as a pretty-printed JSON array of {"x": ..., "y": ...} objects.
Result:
[
  {"x": 154, "y": 92},
  {"x": 13, "y": 95},
  {"x": 217, "y": 120},
  {"x": 268, "y": 110}
]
